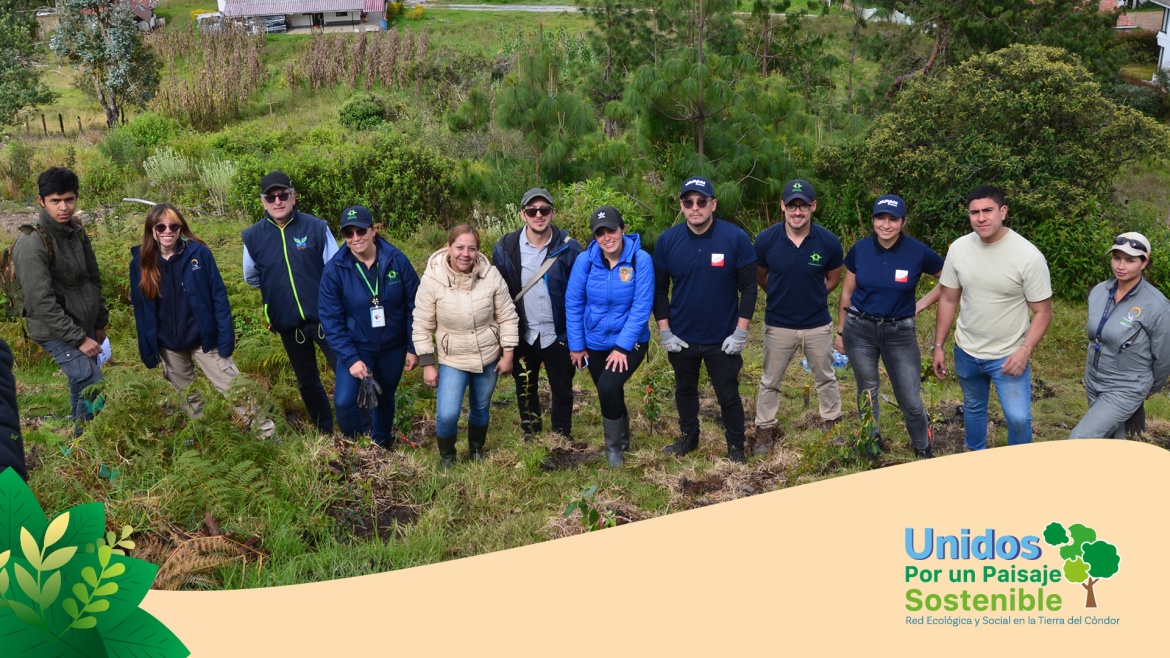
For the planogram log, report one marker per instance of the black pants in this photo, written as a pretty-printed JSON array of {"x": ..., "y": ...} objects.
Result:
[
  {"x": 610, "y": 384},
  {"x": 560, "y": 371},
  {"x": 723, "y": 371},
  {"x": 302, "y": 356}
]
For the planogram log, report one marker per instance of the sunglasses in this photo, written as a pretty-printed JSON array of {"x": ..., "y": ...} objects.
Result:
[
  {"x": 162, "y": 228},
  {"x": 692, "y": 202},
  {"x": 283, "y": 196},
  {"x": 350, "y": 231},
  {"x": 1121, "y": 239},
  {"x": 543, "y": 211}
]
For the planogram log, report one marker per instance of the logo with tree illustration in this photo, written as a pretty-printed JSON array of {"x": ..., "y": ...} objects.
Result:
[
  {"x": 1086, "y": 559},
  {"x": 67, "y": 588}
]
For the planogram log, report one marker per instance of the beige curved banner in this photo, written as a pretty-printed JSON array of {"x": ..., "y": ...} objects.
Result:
[{"x": 822, "y": 569}]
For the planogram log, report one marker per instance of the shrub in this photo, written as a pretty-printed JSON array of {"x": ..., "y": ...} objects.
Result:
[
  {"x": 17, "y": 171},
  {"x": 1139, "y": 46},
  {"x": 415, "y": 14},
  {"x": 579, "y": 200},
  {"x": 168, "y": 170},
  {"x": 102, "y": 179},
  {"x": 123, "y": 149},
  {"x": 152, "y": 130},
  {"x": 217, "y": 176},
  {"x": 248, "y": 139},
  {"x": 363, "y": 112}
]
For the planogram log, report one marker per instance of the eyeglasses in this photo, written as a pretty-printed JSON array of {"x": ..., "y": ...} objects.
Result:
[
  {"x": 543, "y": 211},
  {"x": 1121, "y": 239},
  {"x": 162, "y": 228},
  {"x": 691, "y": 202},
  {"x": 350, "y": 231},
  {"x": 797, "y": 207},
  {"x": 283, "y": 196}
]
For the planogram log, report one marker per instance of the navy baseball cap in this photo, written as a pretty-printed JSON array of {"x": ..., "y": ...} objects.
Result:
[
  {"x": 275, "y": 179},
  {"x": 799, "y": 189},
  {"x": 891, "y": 204},
  {"x": 357, "y": 216},
  {"x": 697, "y": 184}
]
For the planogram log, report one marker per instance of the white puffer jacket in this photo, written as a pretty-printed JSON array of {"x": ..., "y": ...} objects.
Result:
[{"x": 466, "y": 320}]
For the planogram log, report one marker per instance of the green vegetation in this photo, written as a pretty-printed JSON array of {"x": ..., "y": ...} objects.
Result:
[{"x": 449, "y": 118}]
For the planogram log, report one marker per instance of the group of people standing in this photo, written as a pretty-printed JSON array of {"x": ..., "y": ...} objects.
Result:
[{"x": 543, "y": 300}]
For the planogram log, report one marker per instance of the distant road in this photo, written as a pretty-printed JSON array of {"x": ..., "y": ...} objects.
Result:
[{"x": 543, "y": 9}]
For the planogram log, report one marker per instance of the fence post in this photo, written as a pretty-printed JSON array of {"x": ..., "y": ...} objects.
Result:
[
  {"x": 78, "y": 125},
  {"x": 61, "y": 122},
  {"x": 44, "y": 126}
]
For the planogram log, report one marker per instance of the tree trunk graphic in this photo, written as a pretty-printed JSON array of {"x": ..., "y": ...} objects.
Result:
[{"x": 1091, "y": 599}]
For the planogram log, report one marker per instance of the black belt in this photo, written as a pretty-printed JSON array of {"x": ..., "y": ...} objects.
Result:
[{"x": 873, "y": 318}]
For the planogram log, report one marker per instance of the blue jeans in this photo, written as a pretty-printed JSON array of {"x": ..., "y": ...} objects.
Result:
[
  {"x": 1015, "y": 397},
  {"x": 896, "y": 343},
  {"x": 387, "y": 369},
  {"x": 82, "y": 371},
  {"x": 449, "y": 398}
]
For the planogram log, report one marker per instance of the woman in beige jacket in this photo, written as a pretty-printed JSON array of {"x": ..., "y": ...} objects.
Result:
[{"x": 466, "y": 324}]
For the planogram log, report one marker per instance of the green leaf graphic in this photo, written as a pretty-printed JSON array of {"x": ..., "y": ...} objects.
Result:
[
  {"x": 28, "y": 546},
  {"x": 20, "y": 639},
  {"x": 51, "y": 589},
  {"x": 58, "y": 558},
  {"x": 18, "y": 509},
  {"x": 142, "y": 636},
  {"x": 86, "y": 524},
  {"x": 131, "y": 576},
  {"x": 27, "y": 614},
  {"x": 27, "y": 583}
]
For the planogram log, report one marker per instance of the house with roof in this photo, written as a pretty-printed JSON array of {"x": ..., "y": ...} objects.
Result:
[
  {"x": 1163, "y": 34},
  {"x": 307, "y": 13}
]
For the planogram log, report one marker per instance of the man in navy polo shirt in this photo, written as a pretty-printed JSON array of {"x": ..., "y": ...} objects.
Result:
[
  {"x": 704, "y": 320},
  {"x": 799, "y": 264}
]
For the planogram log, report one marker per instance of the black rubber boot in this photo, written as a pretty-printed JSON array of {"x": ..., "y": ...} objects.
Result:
[
  {"x": 476, "y": 438},
  {"x": 626, "y": 433},
  {"x": 446, "y": 451},
  {"x": 612, "y": 430},
  {"x": 685, "y": 444},
  {"x": 924, "y": 454}
]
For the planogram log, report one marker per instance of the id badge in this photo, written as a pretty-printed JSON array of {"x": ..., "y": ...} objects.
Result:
[{"x": 377, "y": 317}]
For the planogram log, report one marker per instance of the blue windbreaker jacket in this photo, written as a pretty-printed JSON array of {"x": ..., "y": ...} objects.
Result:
[
  {"x": 344, "y": 304},
  {"x": 205, "y": 293},
  {"x": 607, "y": 308}
]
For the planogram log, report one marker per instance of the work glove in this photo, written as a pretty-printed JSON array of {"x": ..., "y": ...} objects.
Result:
[
  {"x": 368, "y": 392},
  {"x": 735, "y": 343},
  {"x": 670, "y": 342}
]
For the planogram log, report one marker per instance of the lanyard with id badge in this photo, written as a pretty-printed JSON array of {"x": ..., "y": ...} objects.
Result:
[{"x": 377, "y": 313}]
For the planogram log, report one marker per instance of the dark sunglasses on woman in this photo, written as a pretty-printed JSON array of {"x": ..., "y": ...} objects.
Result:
[
  {"x": 1121, "y": 239},
  {"x": 350, "y": 231},
  {"x": 162, "y": 228}
]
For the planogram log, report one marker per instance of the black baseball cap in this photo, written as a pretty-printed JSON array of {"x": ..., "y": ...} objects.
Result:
[
  {"x": 536, "y": 193},
  {"x": 799, "y": 189},
  {"x": 275, "y": 179},
  {"x": 357, "y": 216},
  {"x": 605, "y": 217}
]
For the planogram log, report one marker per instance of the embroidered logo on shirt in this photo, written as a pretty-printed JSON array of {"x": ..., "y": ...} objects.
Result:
[
  {"x": 716, "y": 260},
  {"x": 815, "y": 259},
  {"x": 301, "y": 242},
  {"x": 1134, "y": 313},
  {"x": 626, "y": 273},
  {"x": 901, "y": 276},
  {"x": 194, "y": 263}
]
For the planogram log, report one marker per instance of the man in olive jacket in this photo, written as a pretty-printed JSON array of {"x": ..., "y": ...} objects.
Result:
[{"x": 67, "y": 314}]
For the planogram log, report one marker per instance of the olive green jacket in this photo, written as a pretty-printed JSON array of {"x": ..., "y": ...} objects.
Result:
[{"x": 63, "y": 298}]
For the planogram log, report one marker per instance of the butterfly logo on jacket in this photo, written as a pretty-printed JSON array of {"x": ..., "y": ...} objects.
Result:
[{"x": 301, "y": 242}]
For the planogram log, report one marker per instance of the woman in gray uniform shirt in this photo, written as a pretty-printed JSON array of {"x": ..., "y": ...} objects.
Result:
[{"x": 1129, "y": 342}]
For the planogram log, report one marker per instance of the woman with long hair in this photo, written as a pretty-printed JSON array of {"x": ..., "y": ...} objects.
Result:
[
  {"x": 877, "y": 316},
  {"x": 465, "y": 330},
  {"x": 366, "y": 302},
  {"x": 1129, "y": 342},
  {"x": 181, "y": 307},
  {"x": 607, "y": 309}
]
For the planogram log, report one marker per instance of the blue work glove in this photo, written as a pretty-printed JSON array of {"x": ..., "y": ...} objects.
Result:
[
  {"x": 735, "y": 343},
  {"x": 670, "y": 342}
]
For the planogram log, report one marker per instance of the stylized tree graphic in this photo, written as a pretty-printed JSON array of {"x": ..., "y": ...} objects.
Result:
[
  {"x": 67, "y": 589},
  {"x": 1086, "y": 560}
]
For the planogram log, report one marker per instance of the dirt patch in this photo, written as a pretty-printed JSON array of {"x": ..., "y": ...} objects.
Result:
[
  {"x": 10, "y": 222},
  {"x": 1041, "y": 390},
  {"x": 376, "y": 497},
  {"x": 568, "y": 455},
  {"x": 1157, "y": 433},
  {"x": 726, "y": 481},
  {"x": 709, "y": 407},
  {"x": 608, "y": 503}
]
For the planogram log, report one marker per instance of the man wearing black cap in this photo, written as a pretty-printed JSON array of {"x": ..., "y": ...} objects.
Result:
[
  {"x": 799, "y": 265},
  {"x": 284, "y": 254},
  {"x": 705, "y": 294},
  {"x": 545, "y": 253}
]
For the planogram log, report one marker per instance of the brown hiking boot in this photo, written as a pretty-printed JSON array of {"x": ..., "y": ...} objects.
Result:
[{"x": 763, "y": 441}]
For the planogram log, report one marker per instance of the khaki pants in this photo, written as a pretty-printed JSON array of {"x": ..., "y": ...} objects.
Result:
[
  {"x": 779, "y": 348},
  {"x": 179, "y": 369}
]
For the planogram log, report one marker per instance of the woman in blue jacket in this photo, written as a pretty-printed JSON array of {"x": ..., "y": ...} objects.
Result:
[
  {"x": 181, "y": 306},
  {"x": 366, "y": 305},
  {"x": 607, "y": 309}
]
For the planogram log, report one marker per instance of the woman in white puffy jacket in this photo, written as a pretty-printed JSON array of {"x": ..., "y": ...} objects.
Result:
[{"x": 465, "y": 329}]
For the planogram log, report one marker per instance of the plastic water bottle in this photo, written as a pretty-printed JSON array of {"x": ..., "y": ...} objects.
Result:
[{"x": 840, "y": 362}]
